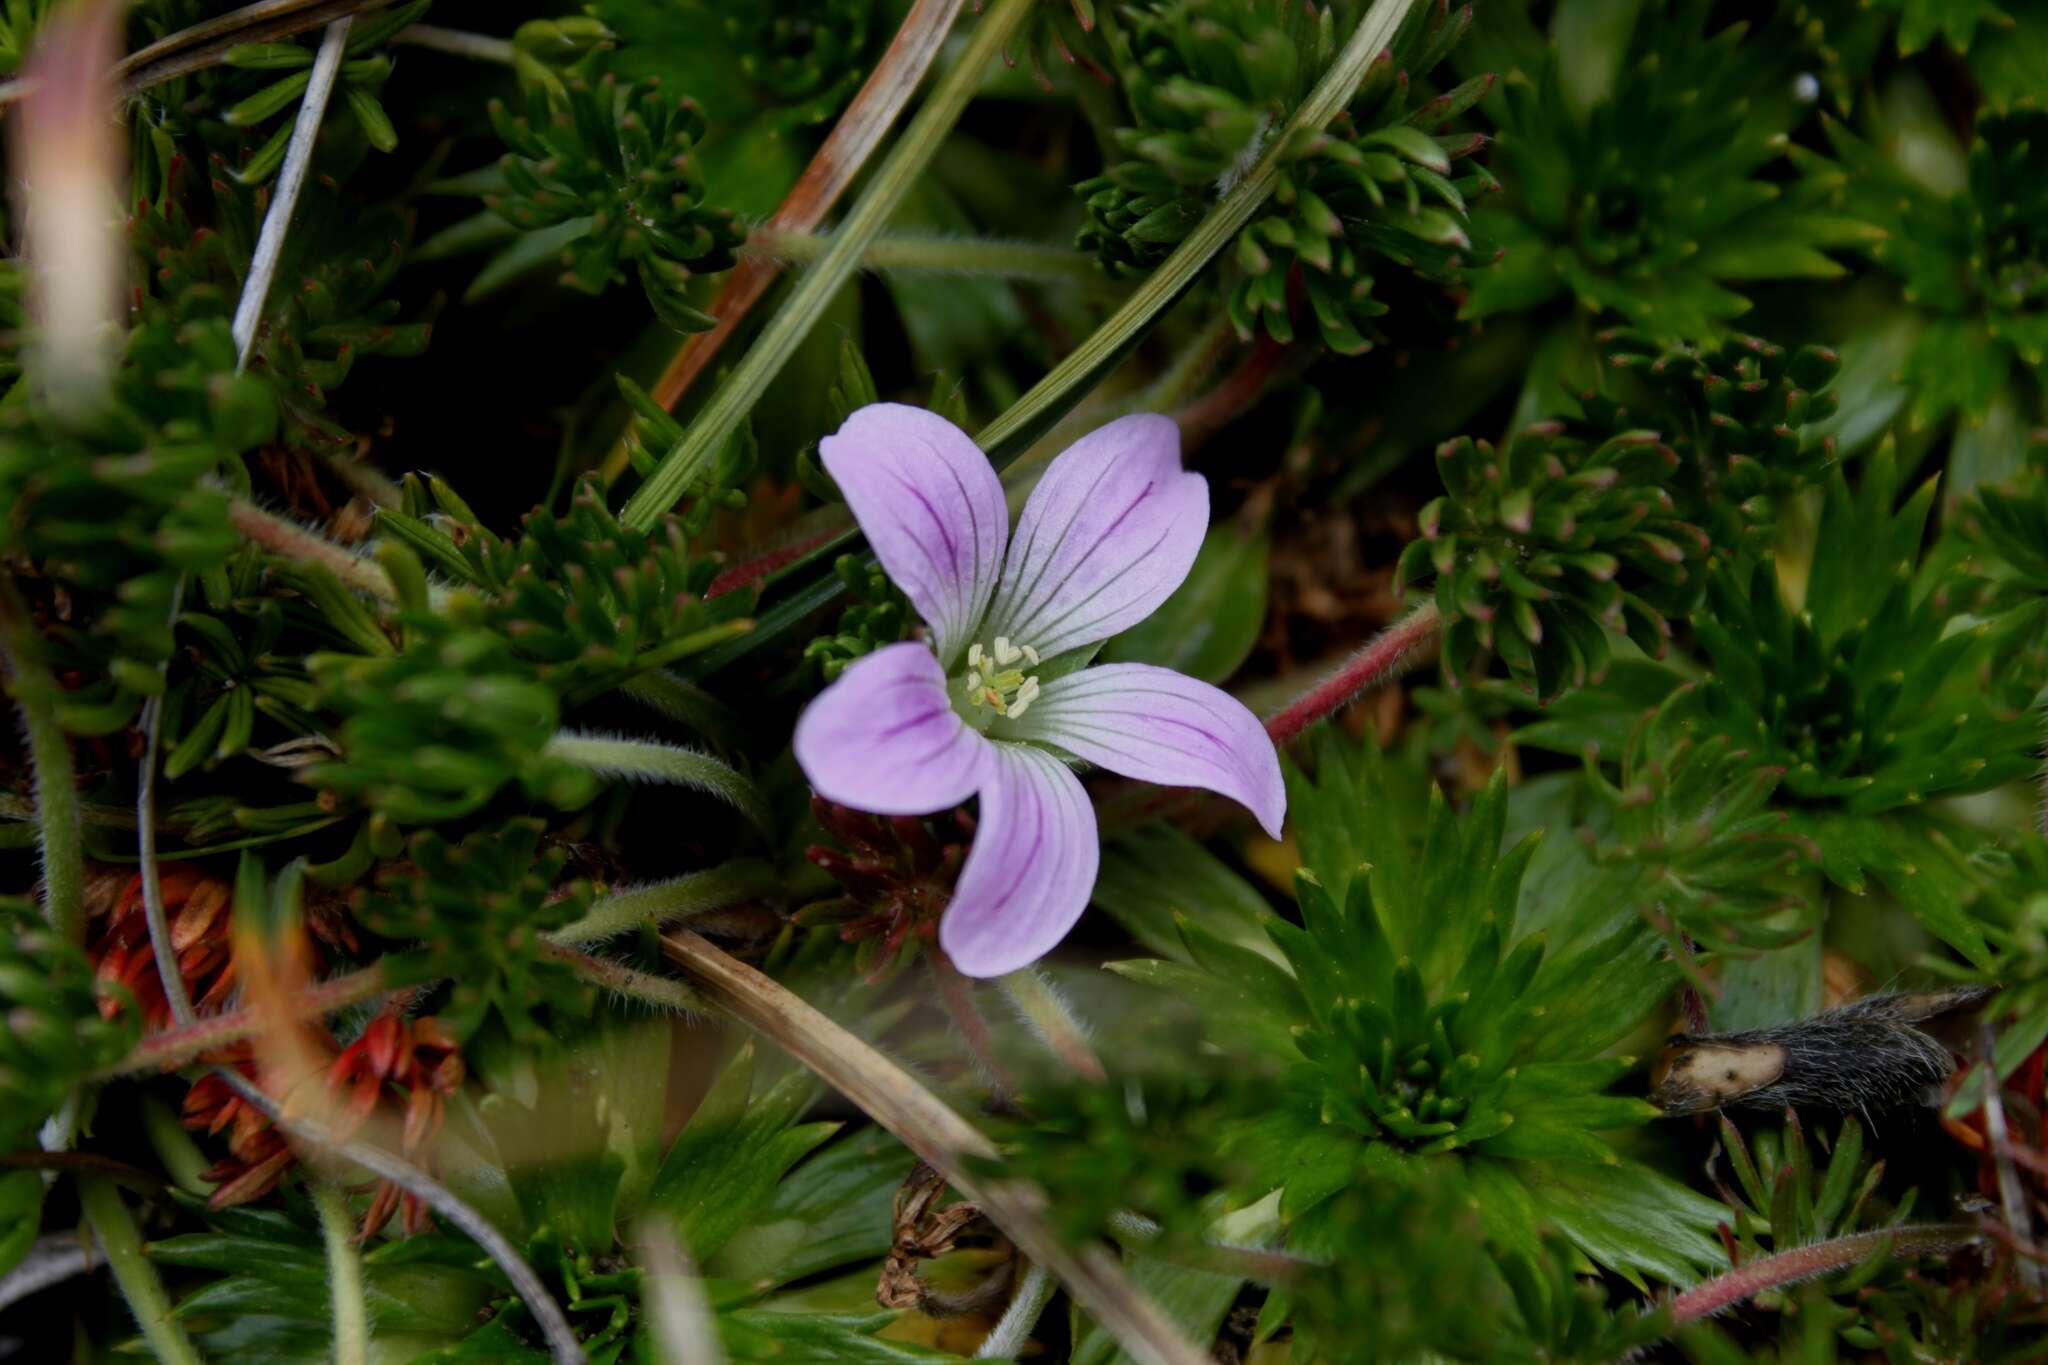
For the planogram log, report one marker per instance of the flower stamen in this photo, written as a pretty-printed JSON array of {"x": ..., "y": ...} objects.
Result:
[{"x": 993, "y": 680}]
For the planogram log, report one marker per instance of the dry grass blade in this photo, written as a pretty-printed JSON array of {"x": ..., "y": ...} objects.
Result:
[
  {"x": 846, "y": 149},
  {"x": 924, "y": 1123}
]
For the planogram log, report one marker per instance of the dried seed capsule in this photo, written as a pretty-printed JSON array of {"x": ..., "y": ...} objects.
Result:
[{"x": 1869, "y": 1054}]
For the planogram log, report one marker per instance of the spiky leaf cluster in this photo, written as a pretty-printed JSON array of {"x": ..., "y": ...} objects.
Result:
[
  {"x": 1414, "y": 1024},
  {"x": 1971, "y": 262},
  {"x": 807, "y": 54},
  {"x": 1541, "y": 548},
  {"x": 275, "y": 98},
  {"x": 433, "y": 731},
  {"x": 114, "y": 511},
  {"x": 1870, "y": 695},
  {"x": 478, "y": 909},
  {"x": 328, "y": 308},
  {"x": 1655, "y": 200},
  {"x": 55, "y": 1036},
  {"x": 878, "y": 615},
  {"x": 1692, "y": 816},
  {"x": 1608, "y": 521},
  {"x": 1211, "y": 82},
  {"x": 2006, "y": 528},
  {"x": 585, "y": 601},
  {"x": 612, "y": 169}
]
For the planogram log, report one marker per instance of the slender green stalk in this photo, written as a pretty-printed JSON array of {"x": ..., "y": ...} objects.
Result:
[
  {"x": 1045, "y": 1012},
  {"x": 779, "y": 339},
  {"x": 1027, "y": 1305},
  {"x": 644, "y": 760},
  {"x": 662, "y": 992},
  {"x": 344, "y": 1277},
  {"x": 121, "y": 1241},
  {"x": 58, "y": 821},
  {"x": 666, "y": 902},
  {"x": 687, "y": 704},
  {"x": 949, "y": 256}
]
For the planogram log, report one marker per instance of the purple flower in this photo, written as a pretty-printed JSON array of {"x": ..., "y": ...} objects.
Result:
[{"x": 1001, "y": 700}]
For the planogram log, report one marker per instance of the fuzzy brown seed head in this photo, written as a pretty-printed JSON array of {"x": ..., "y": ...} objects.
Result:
[{"x": 1693, "y": 1075}]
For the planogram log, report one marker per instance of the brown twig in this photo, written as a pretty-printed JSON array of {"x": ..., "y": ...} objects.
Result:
[
  {"x": 941, "y": 1137},
  {"x": 846, "y": 149}
]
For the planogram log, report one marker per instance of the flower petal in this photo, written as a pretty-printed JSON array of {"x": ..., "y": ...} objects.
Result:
[
  {"x": 931, "y": 505},
  {"x": 1032, "y": 867},
  {"x": 1160, "y": 726},
  {"x": 885, "y": 739},
  {"x": 1108, "y": 534}
]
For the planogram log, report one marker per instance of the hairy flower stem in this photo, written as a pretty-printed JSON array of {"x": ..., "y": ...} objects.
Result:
[
  {"x": 663, "y": 903},
  {"x": 1225, "y": 403},
  {"x": 845, "y": 151},
  {"x": 778, "y": 340},
  {"x": 952, "y": 1146},
  {"x": 1043, "y": 1009},
  {"x": 1384, "y": 658},
  {"x": 652, "y": 761},
  {"x": 662, "y": 992},
  {"x": 175, "y": 1047},
  {"x": 949, "y": 256},
  {"x": 1801, "y": 1263},
  {"x": 547, "y": 1314},
  {"x": 153, "y": 913},
  {"x": 344, "y": 1276},
  {"x": 956, "y": 993},
  {"x": 1027, "y": 1305},
  {"x": 121, "y": 1241},
  {"x": 58, "y": 822},
  {"x": 290, "y": 540}
]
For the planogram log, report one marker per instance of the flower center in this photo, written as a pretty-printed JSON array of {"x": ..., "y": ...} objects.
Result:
[{"x": 995, "y": 679}]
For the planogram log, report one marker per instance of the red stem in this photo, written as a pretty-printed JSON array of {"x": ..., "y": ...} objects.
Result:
[
  {"x": 846, "y": 149},
  {"x": 175, "y": 1047},
  {"x": 958, "y": 997},
  {"x": 1382, "y": 660},
  {"x": 1801, "y": 1263},
  {"x": 1219, "y": 407},
  {"x": 768, "y": 562}
]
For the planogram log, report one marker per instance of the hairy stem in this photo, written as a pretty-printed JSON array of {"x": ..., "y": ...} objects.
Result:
[
  {"x": 458, "y": 42},
  {"x": 651, "y": 761},
  {"x": 764, "y": 360},
  {"x": 290, "y": 540},
  {"x": 1801, "y": 1263},
  {"x": 344, "y": 1277},
  {"x": 1045, "y": 1011},
  {"x": 948, "y": 256},
  {"x": 153, "y": 913},
  {"x": 176, "y": 1047},
  {"x": 121, "y": 1241},
  {"x": 58, "y": 822},
  {"x": 1027, "y": 1305},
  {"x": 845, "y": 151},
  {"x": 951, "y": 1145},
  {"x": 663, "y": 903},
  {"x": 1384, "y": 658},
  {"x": 662, "y": 992},
  {"x": 956, "y": 993}
]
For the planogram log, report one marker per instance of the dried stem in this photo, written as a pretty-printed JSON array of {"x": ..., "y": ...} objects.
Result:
[
  {"x": 1801, "y": 1263},
  {"x": 291, "y": 179},
  {"x": 58, "y": 822},
  {"x": 950, "y": 1144},
  {"x": 845, "y": 151},
  {"x": 722, "y": 414},
  {"x": 1385, "y": 658},
  {"x": 121, "y": 1240}
]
